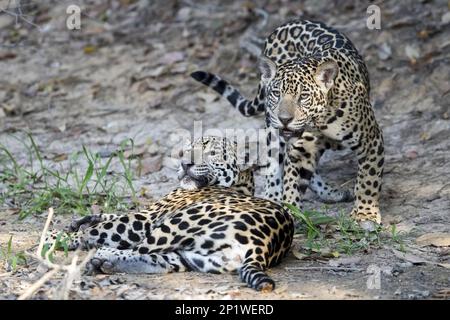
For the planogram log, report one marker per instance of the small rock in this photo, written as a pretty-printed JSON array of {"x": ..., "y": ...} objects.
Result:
[
  {"x": 142, "y": 87},
  {"x": 5, "y": 20},
  {"x": 153, "y": 149},
  {"x": 8, "y": 108},
  {"x": 412, "y": 52},
  {"x": 299, "y": 255},
  {"x": 437, "y": 239},
  {"x": 408, "y": 257},
  {"x": 333, "y": 290},
  {"x": 171, "y": 163},
  {"x": 184, "y": 14},
  {"x": 172, "y": 57},
  {"x": 105, "y": 153},
  {"x": 420, "y": 294},
  {"x": 384, "y": 51},
  {"x": 42, "y": 269},
  {"x": 345, "y": 261},
  {"x": 387, "y": 270},
  {"x": 150, "y": 165},
  {"x": 404, "y": 265},
  {"x": 156, "y": 72},
  {"x": 411, "y": 154},
  {"x": 445, "y": 17},
  {"x": 208, "y": 97}
]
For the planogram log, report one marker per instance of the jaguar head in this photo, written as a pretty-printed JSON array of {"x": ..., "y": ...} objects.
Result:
[
  {"x": 211, "y": 161},
  {"x": 296, "y": 92}
]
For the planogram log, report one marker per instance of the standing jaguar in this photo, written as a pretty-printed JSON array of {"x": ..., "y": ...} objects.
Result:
[
  {"x": 212, "y": 225},
  {"x": 314, "y": 90}
]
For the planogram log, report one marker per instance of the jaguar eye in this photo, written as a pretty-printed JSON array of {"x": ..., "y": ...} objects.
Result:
[
  {"x": 304, "y": 96},
  {"x": 276, "y": 93}
]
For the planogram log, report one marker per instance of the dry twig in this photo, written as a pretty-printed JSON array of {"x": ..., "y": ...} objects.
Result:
[
  {"x": 8, "y": 8},
  {"x": 324, "y": 268},
  {"x": 72, "y": 270}
]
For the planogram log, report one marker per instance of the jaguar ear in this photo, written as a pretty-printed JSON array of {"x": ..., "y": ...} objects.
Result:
[
  {"x": 268, "y": 69},
  {"x": 325, "y": 75}
]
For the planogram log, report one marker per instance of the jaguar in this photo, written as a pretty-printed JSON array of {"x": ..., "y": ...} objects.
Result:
[
  {"x": 211, "y": 224},
  {"x": 314, "y": 90}
]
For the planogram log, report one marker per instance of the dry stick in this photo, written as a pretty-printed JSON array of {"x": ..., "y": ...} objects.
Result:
[
  {"x": 18, "y": 15},
  {"x": 44, "y": 232},
  {"x": 73, "y": 272},
  {"x": 68, "y": 279},
  {"x": 49, "y": 274},
  {"x": 5, "y": 274},
  {"x": 72, "y": 269},
  {"x": 38, "y": 284},
  {"x": 324, "y": 268}
]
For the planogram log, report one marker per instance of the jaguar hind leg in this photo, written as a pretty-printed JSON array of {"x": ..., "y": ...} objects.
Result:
[
  {"x": 252, "y": 273},
  {"x": 111, "y": 260},
  {"x": 256, "y": 278}
]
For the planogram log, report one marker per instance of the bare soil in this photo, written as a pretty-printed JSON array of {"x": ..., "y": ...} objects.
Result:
[{"x": 125, "y": 74}]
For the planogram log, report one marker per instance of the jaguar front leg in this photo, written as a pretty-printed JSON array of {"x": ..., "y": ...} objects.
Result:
[
  {"x": 116, "y": 231},
  {"x": 302, "y": 157},
  {"x": 89, "y": 221},
  {"x": 368, "y": 183},
  {"x": 121, "y": 231},
  {"x": 293, "y": 187},
  {"x": 273, "y": 188}
]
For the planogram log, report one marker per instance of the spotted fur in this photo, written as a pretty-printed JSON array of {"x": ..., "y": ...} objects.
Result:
[
  {"x": 207, "y": 228},
  {"x": 314, "y": 90},
  {"x": 213, "y": 161}
]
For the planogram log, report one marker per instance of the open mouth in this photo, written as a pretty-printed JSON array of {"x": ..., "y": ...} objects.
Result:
[
  {"x": 197, "y": 181},
  {"x": 289, "y": 133}
]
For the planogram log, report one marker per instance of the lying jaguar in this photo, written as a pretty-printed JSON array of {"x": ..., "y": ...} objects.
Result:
[
  {"x": 314, "y": 90},
  {"x": 214, "y": 226}
]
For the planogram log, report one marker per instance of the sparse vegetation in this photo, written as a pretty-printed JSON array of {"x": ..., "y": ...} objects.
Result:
[
  {"x": 32, "y": 188},
  {"x": 61, "y": 243},
  {"x": 9, "y": 258},
  {"x": 333, "y": 236},
  {"x": 129, "y": 77}
]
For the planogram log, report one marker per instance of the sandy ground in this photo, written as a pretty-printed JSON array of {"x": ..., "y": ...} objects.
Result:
[{"x": 125, "y": 75}]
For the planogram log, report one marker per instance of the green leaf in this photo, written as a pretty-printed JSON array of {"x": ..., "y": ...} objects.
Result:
[
  {"x": 13, "y": 263},
  {"x": 312, "y": 230},
  {"x": 88, "y": 174},
  {"x": 9, "y": 250},
  {"x": 317, "y": 220}
]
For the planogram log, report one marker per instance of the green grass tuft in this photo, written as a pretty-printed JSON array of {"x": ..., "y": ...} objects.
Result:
[
  {"x": 334, "y": 236},
  {"x": 32, "y": 189},
  {"x": 11, "y": 259}
]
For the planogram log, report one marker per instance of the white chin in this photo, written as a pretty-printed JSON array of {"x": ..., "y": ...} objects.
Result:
[{"x": 188, "y": 184}]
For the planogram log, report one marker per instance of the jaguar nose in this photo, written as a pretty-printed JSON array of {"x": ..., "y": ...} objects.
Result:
[
  {"x": 285, "y": 119},
  {"x": 186, "y": 166}
]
